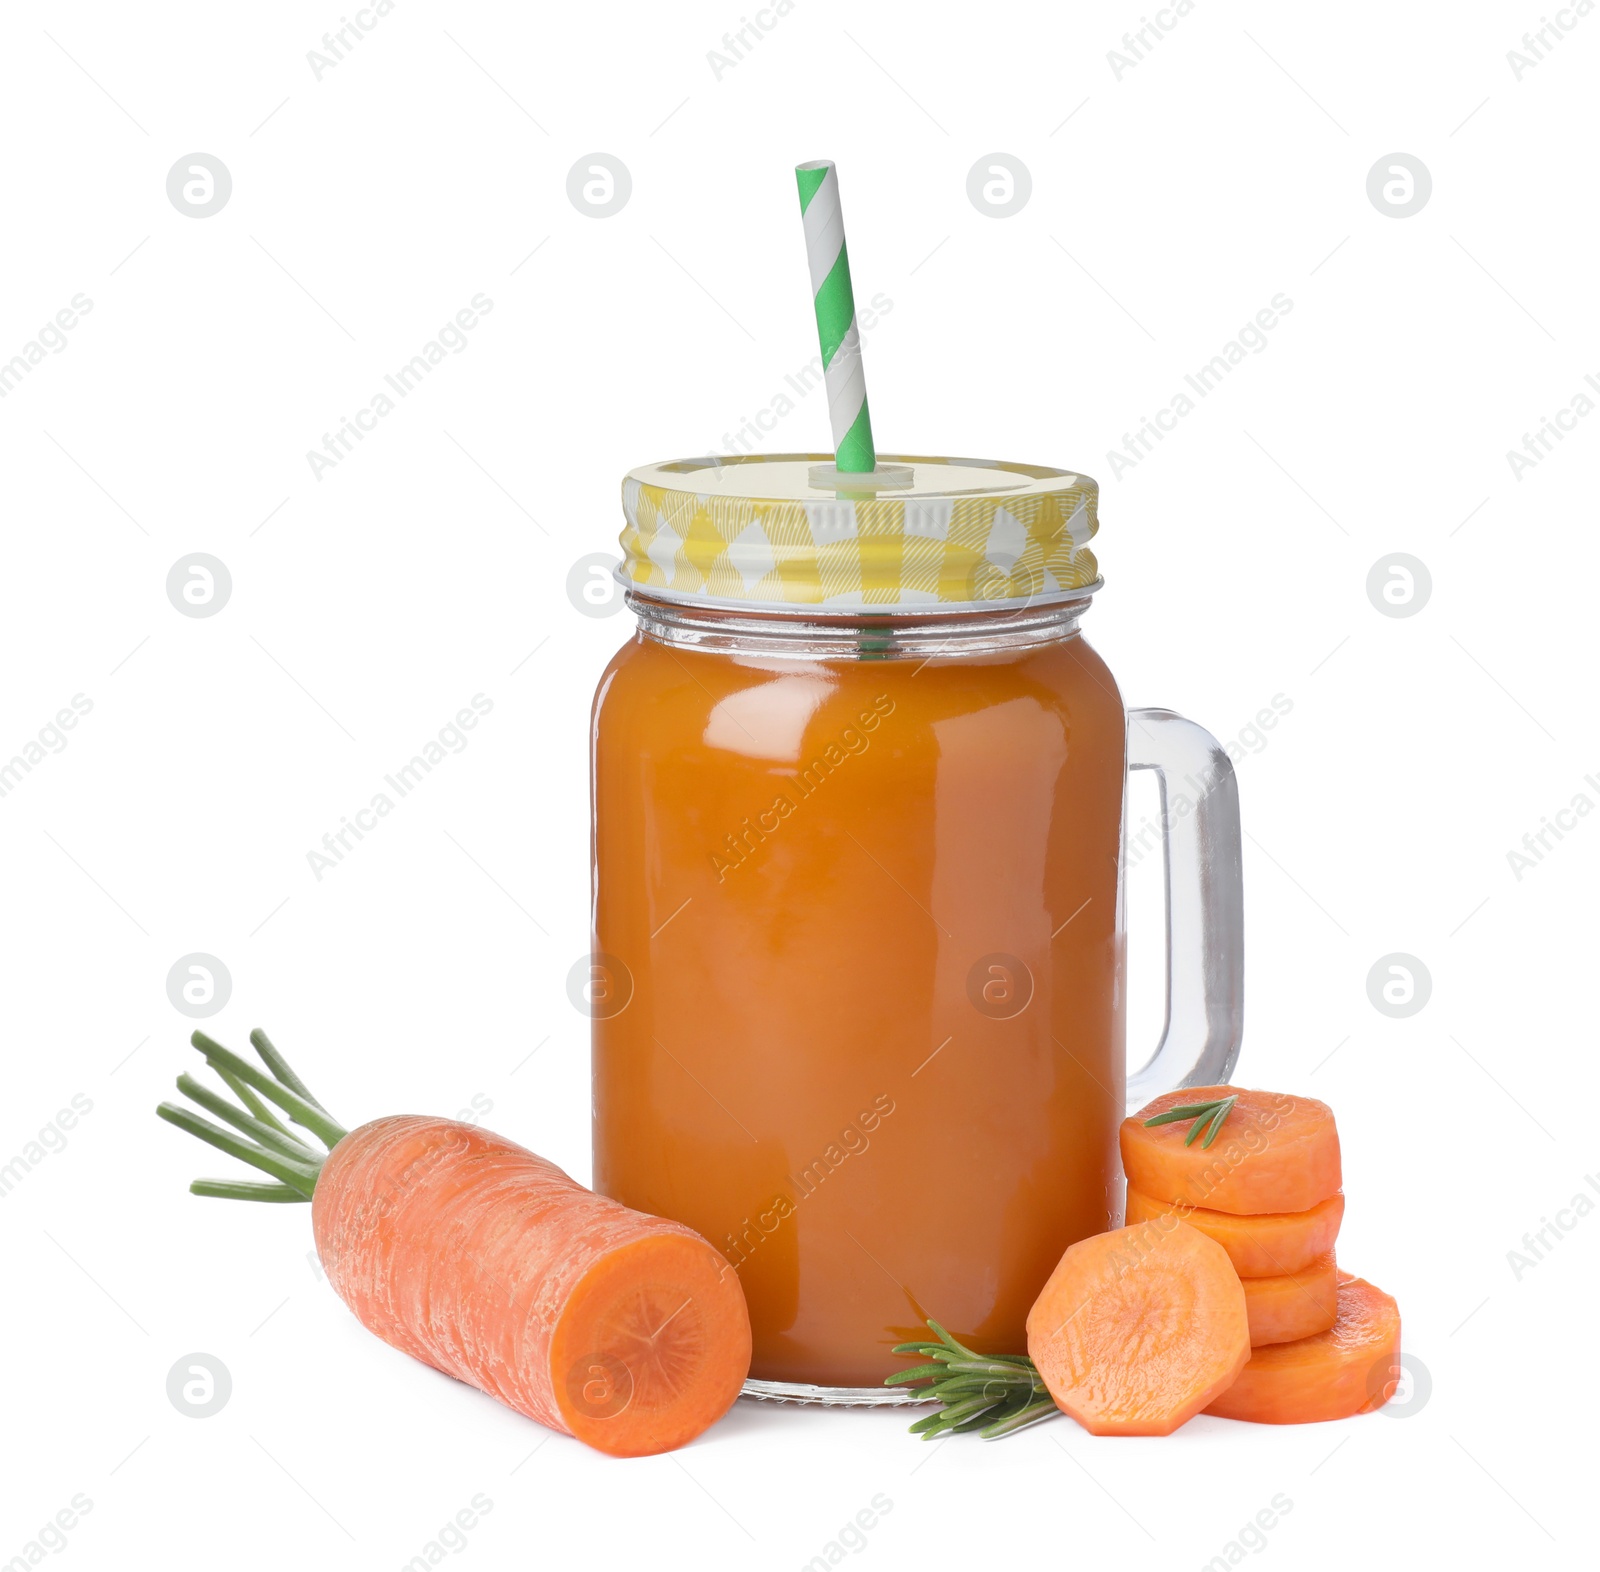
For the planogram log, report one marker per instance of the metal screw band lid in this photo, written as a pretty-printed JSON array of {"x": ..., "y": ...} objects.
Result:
[{"x": 785, "y": 529}]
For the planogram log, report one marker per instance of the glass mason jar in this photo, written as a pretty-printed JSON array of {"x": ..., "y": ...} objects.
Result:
[{"x": 857, "y": 979}]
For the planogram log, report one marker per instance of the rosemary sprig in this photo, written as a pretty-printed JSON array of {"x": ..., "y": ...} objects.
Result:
[
  {"x": 1208, "y": 1117},
  {"x": 994, "y": 1394}
]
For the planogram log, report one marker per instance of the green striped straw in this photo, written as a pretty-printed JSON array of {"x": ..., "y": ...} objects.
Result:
[{"x": 836, "y": 317}]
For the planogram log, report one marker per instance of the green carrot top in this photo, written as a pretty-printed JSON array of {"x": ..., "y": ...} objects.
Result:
[{"x": 264, "y": 1140}]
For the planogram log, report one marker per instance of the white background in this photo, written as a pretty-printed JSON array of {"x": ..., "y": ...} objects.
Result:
[{"x": 367, "y": 607}]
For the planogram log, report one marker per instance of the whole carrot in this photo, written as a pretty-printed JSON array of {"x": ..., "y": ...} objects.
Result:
[{"x": 485, "y": 1261}]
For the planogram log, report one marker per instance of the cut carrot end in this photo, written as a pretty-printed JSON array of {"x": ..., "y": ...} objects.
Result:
[
  {"x": 1275, "y": 1153},
  {"x": 1265, "y": 1244},
  {"x": 653, "y": 1346},
  {"x": 1352, "y": 1368},
  {"x": 1139, "y": 1329},
  {"x": 485, "y": 1261}
]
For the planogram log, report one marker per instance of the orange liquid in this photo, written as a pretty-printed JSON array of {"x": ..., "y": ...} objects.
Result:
[{"x": 864, "y": 919}]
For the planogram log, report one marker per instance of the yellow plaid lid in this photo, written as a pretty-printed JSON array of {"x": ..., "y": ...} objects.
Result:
[{"x": 786, "y": 529}]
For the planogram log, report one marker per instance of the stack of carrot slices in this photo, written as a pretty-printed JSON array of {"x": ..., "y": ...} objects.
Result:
[{"x": 1324, "y": 1344}]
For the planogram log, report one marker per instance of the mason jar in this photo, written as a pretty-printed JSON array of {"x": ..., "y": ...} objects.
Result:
[{"x": 859, "y": 790}]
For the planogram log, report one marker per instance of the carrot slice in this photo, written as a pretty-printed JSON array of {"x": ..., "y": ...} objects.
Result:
[
  {"x": 1293, "y": 1305},
  {"x": 1273, "y": 1153},
  {"x": 1352, "y": 1368},
  {"x": 1138, "y": 1329},
  {"x": 1266, "y": 1244}
]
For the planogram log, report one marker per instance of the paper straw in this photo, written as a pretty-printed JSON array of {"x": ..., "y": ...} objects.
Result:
[{"x": 836, "y": 317}]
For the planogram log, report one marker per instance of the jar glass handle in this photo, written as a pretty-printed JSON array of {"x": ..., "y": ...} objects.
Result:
[{"x": 1205, "y": 904}]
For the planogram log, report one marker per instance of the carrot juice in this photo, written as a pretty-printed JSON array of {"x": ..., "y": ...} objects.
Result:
[{"x": 873, "y": 1048}]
